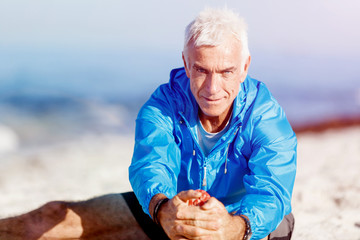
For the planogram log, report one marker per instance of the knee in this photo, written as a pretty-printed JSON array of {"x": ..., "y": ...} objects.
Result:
[
  {"x": 54, "y": 208},
  {"x": 285, "y": 229},
  {"x": 291, "y": 220}
]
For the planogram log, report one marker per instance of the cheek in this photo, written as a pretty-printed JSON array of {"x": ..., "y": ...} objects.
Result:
[
  {"x": 233, "y": 90},
  {"x": 195, "y": 85},
  {"x": 194, "y": 88}
]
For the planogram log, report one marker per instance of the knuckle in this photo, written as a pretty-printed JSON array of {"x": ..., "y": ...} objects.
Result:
[
  {"x": 181, "y": 193},
  {"x": 220, "y": 211},
  {"x": 189, "y": 222},
  {"x": 179, "y": 215},
  {"x": 178, "y": 229},
  {"x": 197, "y": 214},
  {"x": 197, "y": 232},
  {"x": 216, "y": 225}
]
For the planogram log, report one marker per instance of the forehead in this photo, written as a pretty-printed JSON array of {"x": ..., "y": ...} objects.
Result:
[{"x": 228, "y": 52}]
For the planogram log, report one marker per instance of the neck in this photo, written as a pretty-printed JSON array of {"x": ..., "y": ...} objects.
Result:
[{"x": 215, "y": 124}]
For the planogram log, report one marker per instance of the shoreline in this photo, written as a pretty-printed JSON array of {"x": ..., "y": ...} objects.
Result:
[{"x": 335, "y": 123}]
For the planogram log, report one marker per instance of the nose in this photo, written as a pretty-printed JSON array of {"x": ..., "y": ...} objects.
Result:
[{"x": 212, "y": 83}]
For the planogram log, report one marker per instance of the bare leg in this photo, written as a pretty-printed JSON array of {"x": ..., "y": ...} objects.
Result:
[{"x": 107, "y": 217}]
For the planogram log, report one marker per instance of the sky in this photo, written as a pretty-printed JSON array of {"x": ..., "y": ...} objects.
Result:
[
  {"x": 321, "y": 27},
  {"x": 114, "y": 47}
]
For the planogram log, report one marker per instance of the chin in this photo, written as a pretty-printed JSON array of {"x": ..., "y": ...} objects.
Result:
[{"x": 211, "y": 113}]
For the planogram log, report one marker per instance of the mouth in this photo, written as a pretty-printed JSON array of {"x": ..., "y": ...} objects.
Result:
[{"x": 212, "y": 100}]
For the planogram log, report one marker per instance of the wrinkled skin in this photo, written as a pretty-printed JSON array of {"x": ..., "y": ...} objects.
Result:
[{"x": 209, "y": 221}]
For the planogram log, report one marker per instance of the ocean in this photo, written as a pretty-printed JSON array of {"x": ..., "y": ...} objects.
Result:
[{"x": 49, "y": 96}]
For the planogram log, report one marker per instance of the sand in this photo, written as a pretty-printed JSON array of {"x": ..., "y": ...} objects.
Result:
[
  {"x": 326, "y": 199},
  {"x": 78, "y": 170}
]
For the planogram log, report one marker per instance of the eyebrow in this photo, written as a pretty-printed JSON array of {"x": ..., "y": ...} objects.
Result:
[
  {"x": 198, "y": 66},
  {"x": 233, "y": 68}
]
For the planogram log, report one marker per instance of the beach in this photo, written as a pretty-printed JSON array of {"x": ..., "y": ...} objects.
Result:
[{"x": 326, "y": 197}]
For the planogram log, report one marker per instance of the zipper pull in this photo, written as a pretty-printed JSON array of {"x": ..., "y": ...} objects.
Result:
[{"x": 204, "y": 179}]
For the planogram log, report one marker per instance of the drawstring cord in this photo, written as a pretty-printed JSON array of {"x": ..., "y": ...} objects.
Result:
[
  {"x": 226, "y": 159},
  {"x": 204, "y": 179}
]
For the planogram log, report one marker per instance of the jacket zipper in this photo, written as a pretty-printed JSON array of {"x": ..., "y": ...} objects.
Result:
[
  {"x": 203, "y": 184},
  {"x": 204, "y": 181}
]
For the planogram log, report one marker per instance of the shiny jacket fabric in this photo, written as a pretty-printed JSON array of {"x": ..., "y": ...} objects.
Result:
[{"x": 251, "y": 169}]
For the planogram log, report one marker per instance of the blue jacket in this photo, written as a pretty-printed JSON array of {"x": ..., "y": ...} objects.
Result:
[{"x": 251, "y": 169}]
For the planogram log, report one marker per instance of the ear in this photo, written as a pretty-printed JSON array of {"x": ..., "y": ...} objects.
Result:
[
  {"x": 185, "y": 66},
  {"x": 246, "y": 69},
  {"x": 247, "y": 64}
]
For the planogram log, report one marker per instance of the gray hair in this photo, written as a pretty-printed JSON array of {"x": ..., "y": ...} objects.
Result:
[{"x": 212, "y": 26}]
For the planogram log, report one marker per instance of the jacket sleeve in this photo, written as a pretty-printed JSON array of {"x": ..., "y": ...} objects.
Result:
[
  {"x": 156, "y": 159},
  {"x": 272, "y": 165}
]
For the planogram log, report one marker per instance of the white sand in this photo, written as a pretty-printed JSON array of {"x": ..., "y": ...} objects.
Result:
[
  {"x": 77, "y": 170},
  {"x": 326, "y": 200}
]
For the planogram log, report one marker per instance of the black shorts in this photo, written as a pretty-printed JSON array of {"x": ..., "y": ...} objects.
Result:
[{"x": 153, "y": 231}]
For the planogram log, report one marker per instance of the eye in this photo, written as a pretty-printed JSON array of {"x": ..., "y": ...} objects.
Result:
[
  {"x": 227, "y": 73},
  {"x": 200, "y": 70}
]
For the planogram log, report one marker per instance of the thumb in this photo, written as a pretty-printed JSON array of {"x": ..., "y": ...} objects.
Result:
[
  {"x": 188, "y": 195},
  {"x": 212, "y": 203}
]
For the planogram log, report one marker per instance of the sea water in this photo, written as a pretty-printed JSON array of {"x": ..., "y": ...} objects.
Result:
[{"x": 47, "y": 96}]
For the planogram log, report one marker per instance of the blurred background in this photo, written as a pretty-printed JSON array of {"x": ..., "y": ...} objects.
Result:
[{"x": 71, "y": 68}]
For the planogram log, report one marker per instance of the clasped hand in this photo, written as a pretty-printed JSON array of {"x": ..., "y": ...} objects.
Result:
[{"x": 209, "y": 221}]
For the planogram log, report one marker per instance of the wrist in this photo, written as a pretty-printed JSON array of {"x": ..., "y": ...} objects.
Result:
[
  {"x": 247, "y": 227},
  {"x": 156, "y": 203},
  {"x": 157, "y": 207},
  {"x": 154, "y": 200}
]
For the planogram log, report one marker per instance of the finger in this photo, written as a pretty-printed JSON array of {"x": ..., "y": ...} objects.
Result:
[
  {"x": 192, "y": 232},
  {"x": 189, "y": 194},
  {"x": 191, "y": 213},
  {"x": 212, "y": 224},
  {"x": 211, "y": 204},
  {"x": 179, "y": 238}
]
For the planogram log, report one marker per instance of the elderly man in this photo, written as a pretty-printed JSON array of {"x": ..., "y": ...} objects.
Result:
[{"x": 213, "y": 128}]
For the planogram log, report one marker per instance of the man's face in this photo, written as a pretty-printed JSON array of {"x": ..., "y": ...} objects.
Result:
[{"x": 215, "y": 76}]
